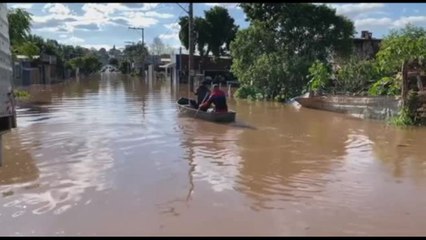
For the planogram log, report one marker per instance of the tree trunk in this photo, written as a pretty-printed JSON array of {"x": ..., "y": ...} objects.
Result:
[{"x": 404, "y": 87}]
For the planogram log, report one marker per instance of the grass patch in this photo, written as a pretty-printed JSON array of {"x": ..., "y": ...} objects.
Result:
[{"x": 21, "y": 94}]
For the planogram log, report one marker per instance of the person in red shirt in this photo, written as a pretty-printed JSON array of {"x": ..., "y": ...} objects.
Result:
[{"x": 218, "y": 98}]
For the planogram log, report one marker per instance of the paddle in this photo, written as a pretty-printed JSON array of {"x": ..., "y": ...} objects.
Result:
[{"x": 205, "y": 97}]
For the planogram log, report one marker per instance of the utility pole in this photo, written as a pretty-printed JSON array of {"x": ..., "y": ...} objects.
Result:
[
  {"x": 143, "y": 46},
  {"x": 142, "y": 29},
  {"x": 180, "y": 63},
  {"x": 191, "y": 49}
]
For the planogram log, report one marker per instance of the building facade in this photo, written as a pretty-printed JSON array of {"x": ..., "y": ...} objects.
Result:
[{"x": 7, "y": 101}]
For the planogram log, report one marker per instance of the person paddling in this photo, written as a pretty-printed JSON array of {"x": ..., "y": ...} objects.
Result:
[{"x": 218, "y": 98}]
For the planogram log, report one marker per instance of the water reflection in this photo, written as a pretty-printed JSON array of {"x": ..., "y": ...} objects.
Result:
[
  {"x": 287, "y": 158},
  {"x": 398, "y": 149},
  {"x": 213, "y": 153},
  {"x": 19, "y": 166}
]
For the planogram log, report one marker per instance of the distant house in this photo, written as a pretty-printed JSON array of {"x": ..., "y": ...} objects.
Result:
[
  {"x": 366, "y": 47},
  {"x": 205, "y": 66},
  {"x": 39, "y": 70}
]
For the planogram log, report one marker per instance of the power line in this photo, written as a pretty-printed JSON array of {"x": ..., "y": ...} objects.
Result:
[
  {"x": 176, "y": 21},
  {"x": 183, "y": 8}
]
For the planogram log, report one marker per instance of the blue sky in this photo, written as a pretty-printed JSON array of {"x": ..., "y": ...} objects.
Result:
[{"x": 106, "y": 24}]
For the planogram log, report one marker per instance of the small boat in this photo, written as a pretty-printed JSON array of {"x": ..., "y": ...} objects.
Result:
[
  {"x": 189, "y": 110},
  {"x": 380, "y": 107}
]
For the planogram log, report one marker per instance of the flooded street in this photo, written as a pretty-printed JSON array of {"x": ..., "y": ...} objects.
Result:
[{"x": 112, "y": 156}]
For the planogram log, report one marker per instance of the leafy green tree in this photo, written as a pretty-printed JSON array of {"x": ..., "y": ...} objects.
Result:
[
  {"x": 113, "y": 61},
  {"x": 356, "y": 75},
  {"x": 319, "y": 74},
  {"x": 290, "y": 37},
  {"x": 213, "y": 33},
  {"x": 91, "y": 64},
  {"x": 304, "y": 28},
  {"x": 407, "y": 45},
  {"x": 221, "y": 28},
  {"x": 19, "y": 25},
  {"x": 28, "y": 49},
  {"x": 136, "y": 53}
]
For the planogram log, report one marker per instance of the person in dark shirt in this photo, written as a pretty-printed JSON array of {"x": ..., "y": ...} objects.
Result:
[
  {"x": 218, "y": 98},
  {"x": 202, "y": 93}
]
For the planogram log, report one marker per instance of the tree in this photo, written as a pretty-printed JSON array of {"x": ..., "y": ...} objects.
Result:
[
  {"x": 87, "y": 64},
  {"x": 91, "y": 64},
  {"x": 202, "y": 36},
  {"x": 221, "y": 28},
  {"x": 103, "y": 55},
  {"x": 289, "y": 38},
  {"x": 157, "y": 46},
  {"x": 184, "y": 31},
  {"x": 212, "y": 33},
  {"x": 28, "y": 49},
  {"x": 137, "y": 53},
  {"x": 19, "y": 25},
  {"x": 407, "y": 45},
  {"x": 113, "y": 61},
  {"x": 304, "y": 28},
  {"x": 37, "y": 40}
]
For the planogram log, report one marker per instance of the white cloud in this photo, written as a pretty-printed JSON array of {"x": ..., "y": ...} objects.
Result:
[
  {"x": 169, "y": 36},
  {"x": 368, "y": 23},
  {"x": 72, "y": 41},
  {"x": 388, "y": 23},
  {"x": 57, "y": 8},
  {"x": 149, "y": 6},
  {"x": 63, "y": 36},
  {"x": 173, "y": 33},
  {"x": 97, "y": 15},
  {"x": 47, "y": 29},
  {"x": 354, "y": 9},
  {"x": 159, "y": 15},
  {"x": 21, "y": 5},
  {"x": 138, "y": 19},
  {"x": 172, "y": 26},
  {"x": 416, "y": 20},
  {"x": 225, "y": 5}
]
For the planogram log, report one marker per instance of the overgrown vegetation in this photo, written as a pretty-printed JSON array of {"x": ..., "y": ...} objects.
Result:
[
  {"x": 319, "y": 75},
  {"x": 21, "y": 94},
  {"x": 407, "y": 115},
  {"x": 386, "y": 86},
  {"x": 273, "y": 55}
]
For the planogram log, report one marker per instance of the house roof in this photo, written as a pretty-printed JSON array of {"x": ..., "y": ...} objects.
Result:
[
  {"x": 26, "y": 57},
  {"x": 168, "y": 65},
  {"x": 363, "y": 39}
]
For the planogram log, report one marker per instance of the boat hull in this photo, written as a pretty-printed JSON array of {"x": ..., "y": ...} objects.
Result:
[
  {"x": 222, "y": 117},
  {"x": 381, "y": 107}
]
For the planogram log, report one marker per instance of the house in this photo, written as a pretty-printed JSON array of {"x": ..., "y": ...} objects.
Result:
[
  {"x": 366, "y": 47},
  {"x": 38, "y": 70},
  {"x": 7, "y": 101},
  {"x": 206, "y": 66}
]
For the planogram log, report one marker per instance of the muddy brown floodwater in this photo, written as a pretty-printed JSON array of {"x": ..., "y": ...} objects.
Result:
[{"x": 111, "y": 156}]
